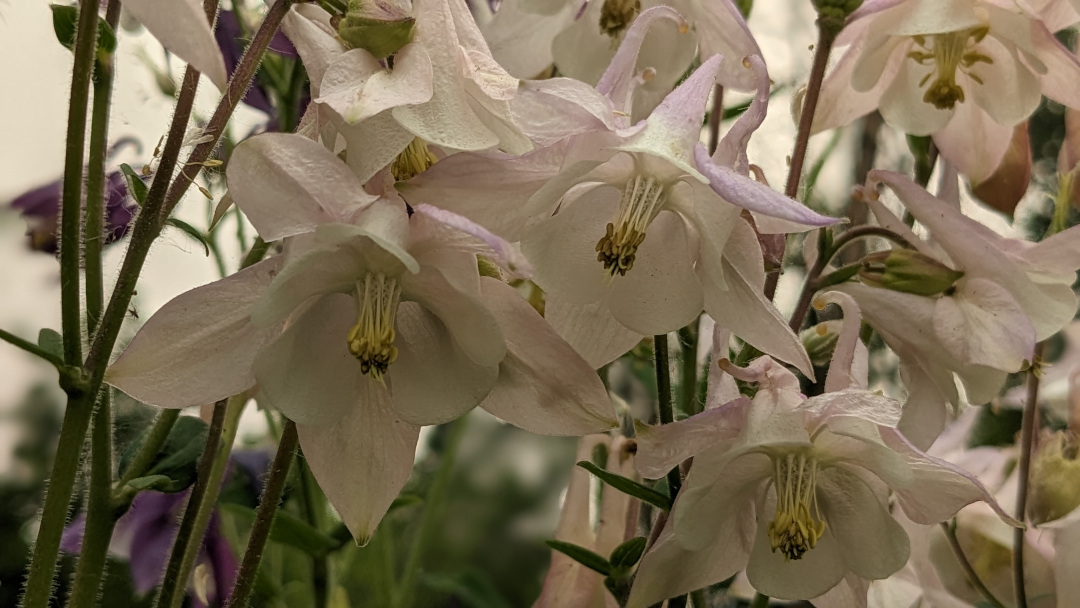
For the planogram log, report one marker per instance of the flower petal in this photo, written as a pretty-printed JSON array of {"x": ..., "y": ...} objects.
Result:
[
  {"x": 974, "y": 142},
  {"x": 434, "y": 381},
  {"x": 308, "y": 373},
  {"x": 981, "y": 324},
  {"x": 544, "y": 386},
  {"x": 363, "y": 460},
  {"x": 854, "y": 514},
  {"x": 617, "y": 83},
  {"x": 200, "y": 346},
  {"x": 357, "y": 87},
  {"x": 590, "y": 329},
  {"x": 288, "y": 184},
  {"x": 373, "y": 144},
  {"x": 721, "y": 30},
  {"x": 663, "y": 447},
  {"x": 717, "y": 502},
  {"x": 308, "y": 28},
  {"x": 182, "y": 28}
]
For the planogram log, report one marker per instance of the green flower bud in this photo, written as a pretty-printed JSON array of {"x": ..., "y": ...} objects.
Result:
[
  {"x": 820, "y": 341},
  {"x": 1055, "y": 479},
  {"x": 908, "y": 271},
  {"x": 377, "y": 27},
  {"x": 833, "y": 13}
]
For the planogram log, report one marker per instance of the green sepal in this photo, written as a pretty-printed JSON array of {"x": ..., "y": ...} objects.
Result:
[
  {"x": 627, "y": 554},
  {"x": 907, "y": 271},
  {"x": 629, "y": 486},
  {"x": 135, "y": 185},
  {"x": 378, "y": 37}
]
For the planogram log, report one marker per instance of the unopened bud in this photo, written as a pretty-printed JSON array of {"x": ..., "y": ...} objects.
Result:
[
  {"x": 1055, "y": 478},
  {"x": 820, "y": 341},
  {"x": 833, "y": 13},
  {"x": 376, "y": 26},
  {"x": 908, "y": 271}
]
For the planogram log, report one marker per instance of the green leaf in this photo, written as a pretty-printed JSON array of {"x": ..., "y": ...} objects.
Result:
[
  {"x": 582, "y": 556},
  {"x": 161, "y": 483},
  {"x": 288, "y": 529},
  {"x": 136, "y": 186},
  {"x": 191, "y": 231},
  {"x": 177, "y": 459},
  {"x": 51, "y": 342},
  {"x": 628, "y": 486},
  {"x": 65, "y": 25},
  {"x": 627, "y": 554}
]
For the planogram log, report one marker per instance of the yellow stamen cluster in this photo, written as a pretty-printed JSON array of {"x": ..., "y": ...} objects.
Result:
[
  {"x": 617, "y": 15},
  {"x": 948, "y": 53},
  {"x": 413, "y": 160},
  {"x": 641, "y": 201},
  {"x": 371, "y": 340},
  {"x": 797, "y": 526}
]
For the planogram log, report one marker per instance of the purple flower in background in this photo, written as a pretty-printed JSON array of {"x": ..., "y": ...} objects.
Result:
[
  {"x": 233, "y": 40},
  {"x": 40, "y": 208}
]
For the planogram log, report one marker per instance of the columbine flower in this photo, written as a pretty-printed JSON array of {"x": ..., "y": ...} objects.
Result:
[
  {"x": 375, "y": 321},
  {"x": 40, "y": 208},
  {"x": 442, "y": 88},
  {"x": 939, "y": 68},
  {"x": 646, "y": 230},
  {"x": 1012, "y": 294},
  {"x": 791, "y": 488}
]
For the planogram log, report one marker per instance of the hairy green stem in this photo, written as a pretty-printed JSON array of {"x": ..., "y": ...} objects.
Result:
[
  {"x": 1029, "y": 427},
  {"x": 806, "y": 122},
  {"x": 405, "y": 590},
  {"x": 204, "y": 494},
  {"x": 149, "y": 449},
  {"x": 965, "y": 565},
  {"x": 663, "y": 395},
  {"x": 688, "y": 383},
  {"x": 264, "y": 517}
]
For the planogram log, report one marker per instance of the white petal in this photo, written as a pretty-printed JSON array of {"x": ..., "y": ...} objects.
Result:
[
  {"x": 718, "y": 501},
  {"x": 357, "y": 87},
  {"x": 521, "y": 40},
  {"x": 617, "y": 82},
  {"x": 721, "y": 30},
  {"x": 182, "y": 28},
  {"x": 433, "y": 380},
  {"x": 544, "y": 386},
  {"x": 373, "y": 144},
  {"x": 854, "y": 515},
  {"x": 308, "y": 28},
  {"x": 663, "y": 447},
  {"x": 199, "y": 347},
  {"x": 973, "y": 142},
  {"x": 1006, "y": 67},
  {"x": 903, "y": 107},
  {"x": 981, "y": 324},
  {"x": 363, "y": 461},
  {"x": 288, "y": 184},
  {"x": 590, "y": 329},
  {"x": 308, "y": 373}
]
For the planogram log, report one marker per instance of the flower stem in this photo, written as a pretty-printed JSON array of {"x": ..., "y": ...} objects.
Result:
[
  {"x": 149, "y": 449},
  {"x": 430, "y": 520},
  {"x": 201, "y": 503},
  {"x": 1027, "y": 445},
  {"x": 264, "y": 517},
  {"x": 688, "y": 383},
  {"x": 806, "y": 122},
  {"x": 760, "y": 600},
  {"x": 663, "y": 396},
  {"x": 965, "y": 565}
]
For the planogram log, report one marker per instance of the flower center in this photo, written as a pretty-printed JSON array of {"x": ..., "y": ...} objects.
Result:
[
  {"x": 616, "y": 16},
  {"x": 641, "y": 201},
  {"x": 371, "y": 340},
  {"x": 948, "y": 53},
  {"x": 797, "y": 526},
  {"x": 413, "y": 160}
]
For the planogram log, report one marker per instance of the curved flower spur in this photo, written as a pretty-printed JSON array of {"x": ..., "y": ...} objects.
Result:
[
  {"x": 630, "y": 233},
  {"x": 373, "y": 322},
  {"x": 791, "y": 488}
]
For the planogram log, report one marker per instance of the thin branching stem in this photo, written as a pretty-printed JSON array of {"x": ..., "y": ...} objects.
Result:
[
  {"x": 1028, "y": 429},
  {"x": 965, "y": 565}
]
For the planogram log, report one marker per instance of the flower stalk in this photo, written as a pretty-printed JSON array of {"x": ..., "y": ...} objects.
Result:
[
  {"x": 965, "y": 565},
  {"x": 1028, "y": 428},
  {"x": 264, "y": 517}
]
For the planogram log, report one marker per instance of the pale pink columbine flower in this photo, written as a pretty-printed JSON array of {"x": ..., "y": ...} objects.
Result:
[
  {"x": 443, "y": 88},
  {"x": 792, "y": 488},
  {"x": 581, "y": 39},
  {"x": 1012, "y": 294},
  {"x": 569, "y": 584},
  {"x": 964, "y": 71},
  {"x": 182, "y": 28},
  {"x": 633, "y": 230},
  {"x": 375, "y": 321}
]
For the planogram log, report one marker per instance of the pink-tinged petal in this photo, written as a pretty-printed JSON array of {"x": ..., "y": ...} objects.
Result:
[
  {"x": 973, "y": 142},
  {"x": 1062, "y": 67},
  {"x": 590, "y": 329},
  {"x": 1057, "y": 257},
  {"x": 819, "y": 570},
  {"x": 357, "y": 87},
  {"x": 433, "y": 380},
  {"x": 1007, "y": 67},
  {"x": 288, "y": 184},
  {"x": 717, "y": 500},
  {"x": 937, "y": 489},
  {"x": 363, "y": 460},
  {"x": 308, "y": 28},
  {"x": 661, "y": 293},
  {"x": 498, "y": 116},
  {"x": 579, "y": 52},
  {"x": 521, "y": 40},
  {"x": 902, "y": 104},
  {"x": 563, "y": 248},
  {"x": 661, "y": 448},
  {"x": 666, "y": 54},
  {"x": 854, "y": 514},
  {"x": 715, "y": 220},
  {"x": 308, "y": 373},
  {"x": 544, "y": 386},
  {"x": 1007, "y": 185},
  {"x": 844, "y": 371},
  {"x": 200, "y": 346},
  {"x": 839, "y": 103},
  {"x": 449, "y": 288},
  {"x": 549, "y": 110},
  {"x": 373, "y": 144},
  {"x": 1067, "y": 559},
  {"x": 618, "y": 83},
  {"x": 851, "y": 592},
  {"x": 182, "y": 28},
  {"x": 721, "y": 30},
  {"x": 731, "y": 150},
  {"x": 567, "y": 582},
  {"x": 925, "y": 409},
  {"x": 852, "y": 403},
  {"x": 505, "y": 254},
  {"x": 981, "y": 324},
  {"x": 741, "y": 191},
  {"x": 491, "y": 189}
]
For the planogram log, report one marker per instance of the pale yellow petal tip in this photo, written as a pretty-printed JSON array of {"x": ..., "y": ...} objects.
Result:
[
  {"x": 820, "y": 304},
  {"x": 821, "y": 329},
  {"x": 684, "y": 27}
]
